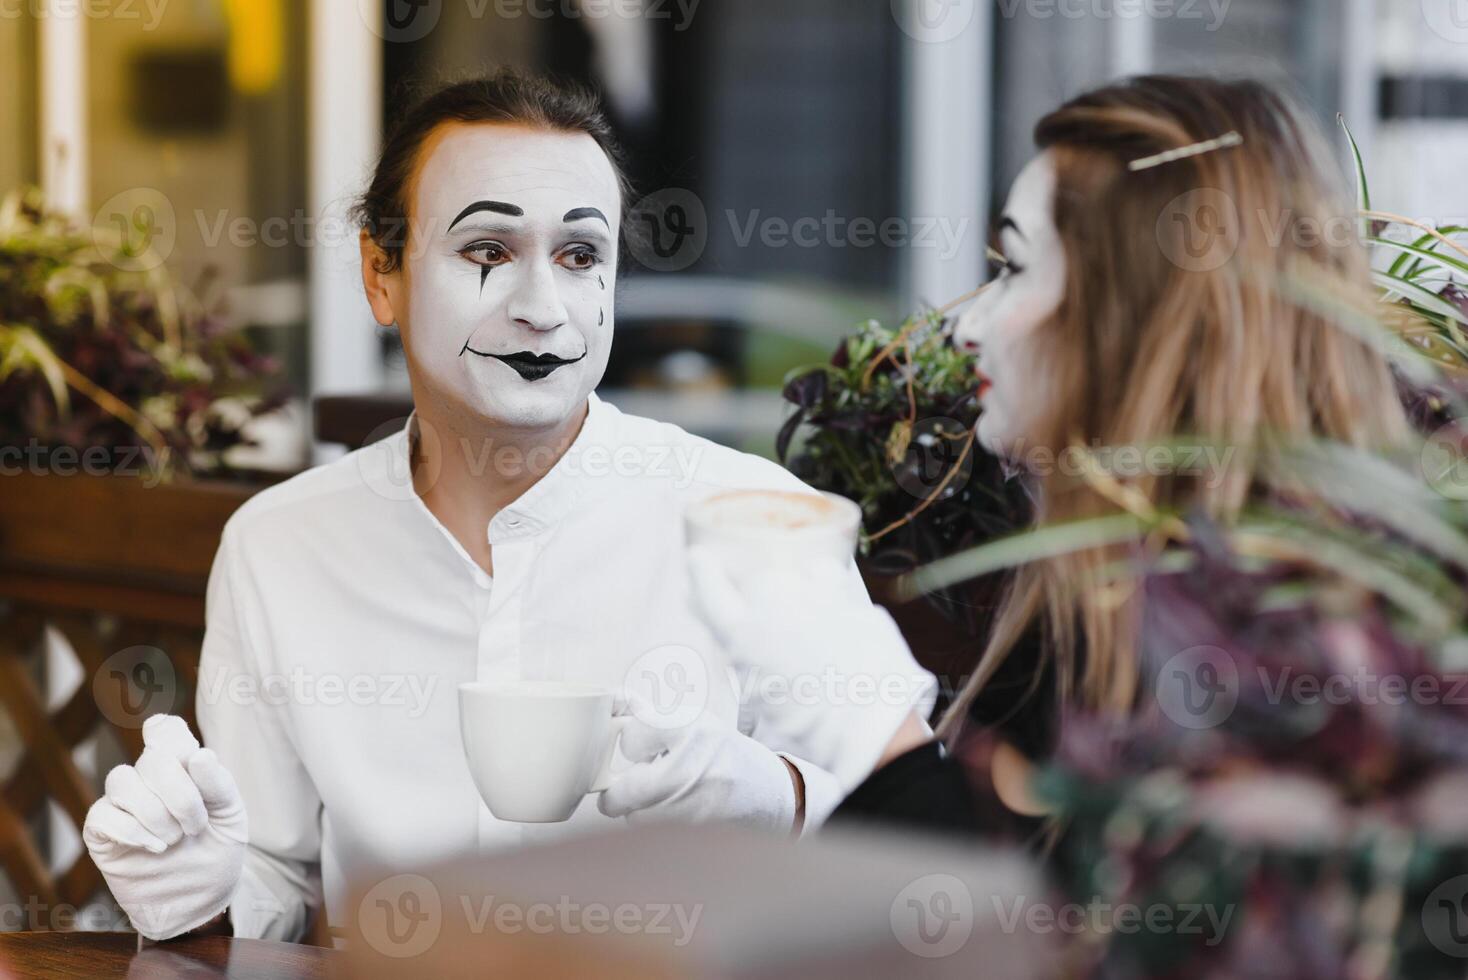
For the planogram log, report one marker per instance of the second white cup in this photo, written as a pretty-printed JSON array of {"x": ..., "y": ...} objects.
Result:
[{"x": 754, "y": 531}]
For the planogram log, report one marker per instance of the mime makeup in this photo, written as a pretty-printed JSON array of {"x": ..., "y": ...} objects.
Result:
[
  {"x": 494, "y": 207},
  {"x": 1002, "y": 322},
  {"x": 507, "y": 291},
  {"x": 531, "y": 367},
  {"x": 577, "y": 214}
]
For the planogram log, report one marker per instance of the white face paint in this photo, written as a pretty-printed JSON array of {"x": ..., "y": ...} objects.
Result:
[
  {"x": 506, "y": 299},
  {"x": 1000, "y": 325}
]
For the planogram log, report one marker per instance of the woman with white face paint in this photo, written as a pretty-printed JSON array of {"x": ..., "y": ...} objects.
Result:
[
  {"x": 515, "y": 527},
  {"x": 1143, "y": 295}
]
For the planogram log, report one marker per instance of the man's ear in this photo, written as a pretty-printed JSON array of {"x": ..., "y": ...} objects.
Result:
[{"x": 377, "y": 284}]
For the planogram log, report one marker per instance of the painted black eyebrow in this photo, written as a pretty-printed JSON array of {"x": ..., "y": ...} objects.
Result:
[
  {"x": 1008, "y": 222},
  {"x": 576, "y": 214},
  {"x": 498, "y": 207}
]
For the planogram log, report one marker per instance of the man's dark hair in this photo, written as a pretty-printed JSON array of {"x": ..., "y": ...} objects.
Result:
[{"x": 507, "y": 96}]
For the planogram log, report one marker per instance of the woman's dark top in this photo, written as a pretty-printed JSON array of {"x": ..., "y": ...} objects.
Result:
[
  {"x": 929, "y": 789},
  {"x": 924, "y": 789}
]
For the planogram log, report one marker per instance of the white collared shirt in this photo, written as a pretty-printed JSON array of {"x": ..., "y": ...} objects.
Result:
[{"x": 342, "y": 616}]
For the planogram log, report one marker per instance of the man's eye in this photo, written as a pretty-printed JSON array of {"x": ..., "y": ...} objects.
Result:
[
  {"x": 581, "y": 259},
  {"x": 486, "y": 253}
]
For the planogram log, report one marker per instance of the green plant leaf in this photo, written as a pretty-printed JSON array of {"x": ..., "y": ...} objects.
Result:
[
  {"x": 1049, "y": 541},
  {"x": 898, "y": 439},
  {"x": 802, "y": 370},
  {"x": 1427, "y": 241},
  {"x": 1424, "y": 257},
  {"x": 1363, "y": 189},
  {"x": 1367, "y": 484},
  {"x": 1345, "y": 553},
  {"x": 21, "y": 348},
  {"x": 1425, "y": 298},
  {"x": 1312, "y": 292}
]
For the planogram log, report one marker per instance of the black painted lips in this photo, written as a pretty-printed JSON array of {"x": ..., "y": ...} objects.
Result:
[{"x": 531, "y": 367}]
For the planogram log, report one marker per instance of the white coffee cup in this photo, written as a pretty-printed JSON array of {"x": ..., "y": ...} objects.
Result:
[
  {"x": 754, "y": 530},
  {"x": 536, "y": 748}
]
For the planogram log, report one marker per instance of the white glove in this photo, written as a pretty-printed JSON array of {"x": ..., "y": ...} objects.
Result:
[
  {"x": 702, "y": 771},
  {"x": 170, "y": 833},
  {"x": 830, "y": 677}
]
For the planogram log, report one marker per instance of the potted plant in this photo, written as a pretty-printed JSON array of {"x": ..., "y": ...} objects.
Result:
[
  {"x": 889, "y": 422},
  {"x": 1421, "y": 270},
  {"x": 119, "y": 395}
]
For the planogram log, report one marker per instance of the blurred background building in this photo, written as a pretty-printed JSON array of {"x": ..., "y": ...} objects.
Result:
[{"x": 245, "y": 127}]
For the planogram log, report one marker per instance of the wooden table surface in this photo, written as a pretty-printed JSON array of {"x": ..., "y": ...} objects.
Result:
[{"x": 105, "y": 955}]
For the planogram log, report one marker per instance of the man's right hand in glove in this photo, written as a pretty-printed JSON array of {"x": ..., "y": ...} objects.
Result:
[{"x": 170, "y": 833}]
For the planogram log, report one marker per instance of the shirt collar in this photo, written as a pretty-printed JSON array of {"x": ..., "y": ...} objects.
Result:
[{"x": 555, "y": 494}]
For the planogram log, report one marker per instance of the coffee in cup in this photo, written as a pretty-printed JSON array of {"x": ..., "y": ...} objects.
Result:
[{"x": 755, "y": 529}]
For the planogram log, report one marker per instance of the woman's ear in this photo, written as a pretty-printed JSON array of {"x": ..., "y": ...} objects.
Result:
[{"x": 376, "y": 283}]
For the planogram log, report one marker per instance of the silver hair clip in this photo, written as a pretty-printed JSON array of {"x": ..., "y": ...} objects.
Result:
[{"x": 1197, "y": 149}]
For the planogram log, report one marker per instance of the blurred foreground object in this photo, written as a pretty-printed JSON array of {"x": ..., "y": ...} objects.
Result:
[
  {"x": 708, "y": 902},
  {"x": 1287, "y": 797},
  {"x": 1294, "y": 783}
]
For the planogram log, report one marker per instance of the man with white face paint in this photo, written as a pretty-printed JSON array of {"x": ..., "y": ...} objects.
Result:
[{"x": 516, "y": 526}]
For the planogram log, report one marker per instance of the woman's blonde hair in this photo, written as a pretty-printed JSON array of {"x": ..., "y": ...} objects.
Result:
[{"x": 1178, "y": 321}]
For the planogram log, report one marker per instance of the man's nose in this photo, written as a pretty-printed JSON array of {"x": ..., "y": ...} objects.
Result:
[{"x": 536, "y": 302}]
